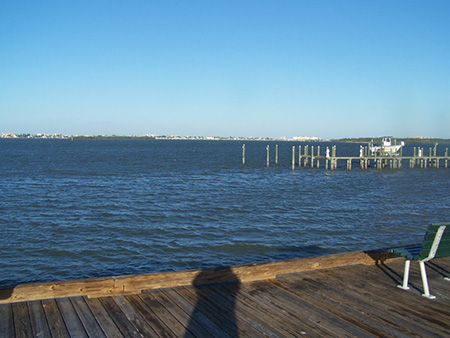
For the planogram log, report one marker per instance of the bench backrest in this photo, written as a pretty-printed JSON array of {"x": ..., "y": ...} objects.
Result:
[{"x": 430, "y": 237}]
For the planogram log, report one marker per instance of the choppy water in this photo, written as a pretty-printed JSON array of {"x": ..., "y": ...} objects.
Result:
[{"x": 88, "y": 208}]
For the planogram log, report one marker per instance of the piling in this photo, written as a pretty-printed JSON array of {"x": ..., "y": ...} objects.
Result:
[
  {"x": 243, "y": 154},
  {"x": 318, "y": 156},
  {"x": 333, "y": 161},
  {"x": 267, "y": 156},
  {"x": 312, "y": 156},
  {"x": 293, "y": 157},
  {"x": 276, "y": 154},
  {"x": 299, "y": 156},
  {"x": 306, "y": 157}
]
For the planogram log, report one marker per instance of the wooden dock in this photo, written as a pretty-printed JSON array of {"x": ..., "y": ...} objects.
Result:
[
  {"x": 311, "y": 156},
  {"x": 347, "y": 295}
]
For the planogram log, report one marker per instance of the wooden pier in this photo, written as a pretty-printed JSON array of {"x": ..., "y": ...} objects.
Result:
[
  {"x": 344, "y": 295},
  {"x": 311, "y": 157},
  {"x": 392, "y": 162}
]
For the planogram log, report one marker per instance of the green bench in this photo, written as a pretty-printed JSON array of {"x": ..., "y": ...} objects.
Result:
[{"x": 435, "y": 244}]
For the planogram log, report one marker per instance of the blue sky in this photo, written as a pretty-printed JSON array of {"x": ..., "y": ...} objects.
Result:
[{"x": 228, "y": 68}]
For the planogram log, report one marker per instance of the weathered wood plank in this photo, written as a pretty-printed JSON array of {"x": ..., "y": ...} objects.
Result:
[
  {"x": 371, "y": 280},
  {"x": 303, "y": 319},
  {"x": 295, "y": 316},
  {"x": 346, "y": 300},
  {"x": 405, "y": 308},
  {"x": 196, "y": 315},
  {"x": 70, "y": 317},
  {"x": 134, "y": 317},
  {"x": 224, "y": 308},
  {"x": 222, "y": 316},
  {"x": 231, "y": 302},
  {"x": 58, "y": 289},
  {"x": 433, "y": 314},
  {"x": 22, "y": 324},
  {"x": 55, "y": 321},
  {"x": 442, "y": 266},
  {"x": 348, "y": 319},
  {"x": 38, "y": 319},
  {"x": 103, "y": 319},
  {"x": 165, "y": 315},
  {"x": 252, "y": 309},
  {"x": 246, "y": 272},
  {"x": 153, "y": 320},
  {"x": 6, "y": 322},
  {"x": 91, "y": 326},
  {"x": 183, "y": 317},
  {"x": 441, "y": 289},
  {"x": 119, "y": 318},
  {"x": 342, "y": 312}
]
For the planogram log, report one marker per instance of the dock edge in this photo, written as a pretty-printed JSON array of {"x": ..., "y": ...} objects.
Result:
[{"x": 131, "y": 284}]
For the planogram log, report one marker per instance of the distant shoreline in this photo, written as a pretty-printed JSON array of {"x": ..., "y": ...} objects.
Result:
[
  {"x": 159, "y": 137},
  {"x": 425, "y": 140}
]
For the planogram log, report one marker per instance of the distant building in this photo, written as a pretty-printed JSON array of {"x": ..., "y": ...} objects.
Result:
[
  {"x": 305, "y": 138},
  {"x": 9, "y": 135},
  {"x": 39, "y": 135}
]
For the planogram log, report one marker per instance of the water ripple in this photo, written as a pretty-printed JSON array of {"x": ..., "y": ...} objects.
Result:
[{"x": 92, "y": 208}]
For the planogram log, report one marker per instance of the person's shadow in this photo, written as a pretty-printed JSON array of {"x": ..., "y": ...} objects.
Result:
[{"x": 214, "y": 312}]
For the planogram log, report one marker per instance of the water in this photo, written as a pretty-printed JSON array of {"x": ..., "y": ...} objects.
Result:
[{"x": 90, "y": 208}]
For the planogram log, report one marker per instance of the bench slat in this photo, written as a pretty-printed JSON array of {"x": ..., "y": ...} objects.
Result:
[
  {"x": 442, "y": 252},
  {"x": 443, "y": 243},
  {"x": 429, "y": 236},
  {"x": 408, "y": 253}
]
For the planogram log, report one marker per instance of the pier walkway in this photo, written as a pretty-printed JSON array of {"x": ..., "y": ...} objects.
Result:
[
  {"x": 356, "y": 300},
  {"x": 310, "y": 158}
]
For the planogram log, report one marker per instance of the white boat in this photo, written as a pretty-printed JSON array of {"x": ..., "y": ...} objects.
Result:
[{"x": 388, "y": 147}]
